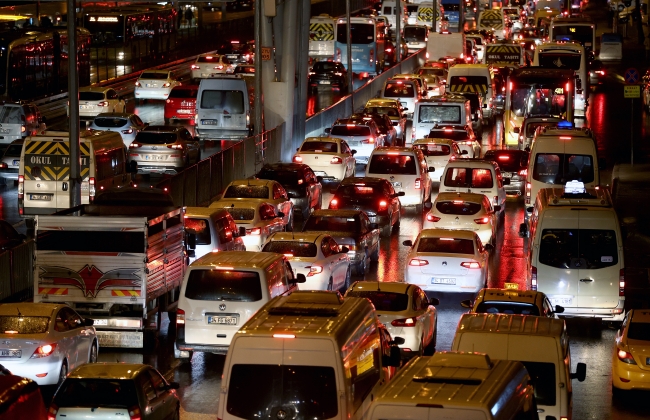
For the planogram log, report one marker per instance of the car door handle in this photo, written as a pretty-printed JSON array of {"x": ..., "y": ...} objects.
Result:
[{"x": 586, "y": 280}]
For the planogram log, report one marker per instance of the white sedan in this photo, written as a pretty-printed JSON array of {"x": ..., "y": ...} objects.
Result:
[
  {"x": 329, "y": 157},
  {"x": 259, "y": 218},
  {"x": 324, "y": 263},
  {"x": 443, "y": 260},
  {"x": 260, "y": 190},
  {"x": 438, "y": 153},
  {"x": 405, "y": 310},
  {"x": 154, "y": 84},
  {"x": 465, "y": 211},
  {"x": 44, "y": 341},
  {"x": 96, "y": 100}
]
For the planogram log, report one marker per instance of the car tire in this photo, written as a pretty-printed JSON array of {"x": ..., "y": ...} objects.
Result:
[
  {"x": 399, "y": 220},
  {"x": 92, "y": 358},
  {"x": 387, "y": 228},
  {"x": 431, "y": 347},
  {"x": 63, "y": 373},
  {"x": 617, "y": 392},
  {"x": 289, "y": 226}
]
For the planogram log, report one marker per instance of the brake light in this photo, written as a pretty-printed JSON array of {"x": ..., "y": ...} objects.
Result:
[
  {"x": 134, "y": 145},
  {"x": 194, "y": 67},
  {"x": 103, "y": 103},
  {"x": 297, "y": 159},
  {"x": 404, "y": 322},
  {"x": 254, "y": 231},
  {"x": 601, "y": 72},
  {"x": 336, "y": 160},
  {"x": 625, "y": 357},
  {"x": 470, "y": 264},
  {"x": 21, "y": 186},
  {"x": 334, "y": 203},
  {"x": 91, "y": 187},
  {"x": 383, "y": 205},
  {"x": 496, "y": 200},
  {"x": 565, "y": 137},
  {"x": 504, "y": 157},
  {"x": 284, "y": 336},
  {"x": 523, "y": 172},
  {"x": 3, "y": 165},
  {"x": 51, "y": 412},
  {"x": 314, "y": 269},
  {"x": 527, "y": 192},
  {"x": 137, "y": 84},
  {"x": 533, "y": 278},
  {"x": 418, "y": 184},
  {"x": 371, "y": 140},
  {"x": 416, "y": 262},
  {"x": 134, "y": 413},
  {"x": 175, "y": 146},
  {"x": 166, "y": 84},
  {"x": 621, "y": 282},
  {"x": 44, "y": 351},
  {"x": 129, "y": 131},
  {"x": 180, "y": 316},
  {"x": 482, "y": 221},
  {"x": 432, "y": 218},
  {"x": 219, "y": 67}
]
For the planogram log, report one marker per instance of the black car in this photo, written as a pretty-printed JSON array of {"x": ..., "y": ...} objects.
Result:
[
  {"x": 302, "y": 185},
  {"x": 375, "y": 196},
  {"x": 237, "y": 52},
  {"x": 513, "y": 165},
  {"x": 9, "y": 237},
  {"x": 330, "y": 75},
  {"x": 384, "y": 124}
]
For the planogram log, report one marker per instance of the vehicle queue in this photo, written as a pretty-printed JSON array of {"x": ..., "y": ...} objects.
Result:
[{"x": 301, "y": 283}]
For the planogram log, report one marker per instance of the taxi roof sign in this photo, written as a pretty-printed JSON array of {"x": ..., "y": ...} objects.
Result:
[{"x": 575, "y": 187}]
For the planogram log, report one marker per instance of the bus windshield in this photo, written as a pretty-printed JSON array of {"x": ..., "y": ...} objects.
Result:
[
  {"x": 557, "y": 60},
  {"x": 583, "y": 34},
  {"x": 362, "y": 33},
  {"x": 533, "y": 100}
]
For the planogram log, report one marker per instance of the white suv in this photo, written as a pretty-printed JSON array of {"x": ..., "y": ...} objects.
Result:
[
  {"x": 155, "y": 84},
  {"x": 97, "y": 100}
]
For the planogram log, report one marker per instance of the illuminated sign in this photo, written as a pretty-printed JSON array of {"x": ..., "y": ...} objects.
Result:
[
  {"x": 572, "y": 29},
  {"x": 103, "y": 19}
]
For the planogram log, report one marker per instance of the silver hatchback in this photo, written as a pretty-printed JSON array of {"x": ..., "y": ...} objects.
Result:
[{"x": 163, "y": 149}]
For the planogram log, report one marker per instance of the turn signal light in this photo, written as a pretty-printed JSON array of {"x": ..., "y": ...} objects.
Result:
[
  {"x": 44, "y": 351},
  {"x": 418, "y": 184},
  {"x": 336, "y": 160},
  {"x": 523, "y": 172},
  {"x": 404, "y": 322},
  {"x": 134, "y": 413},
  {"x": 52, "y": 411},
  {"x": 180, "y": 316}
]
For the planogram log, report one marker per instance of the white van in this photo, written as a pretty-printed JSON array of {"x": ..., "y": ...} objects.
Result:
[
  {"x": 476, "y": 176},
  {"x": 214, "y": 231},
  {"x": 405, "y": 168},
  {"x": 448, "y": 109},
  {"x": 311, "y": 353},
  {"x": 221, "y": 291},
  {"x": 44, "y": 172},
  {"x": 406, "y": 91},
  {"x": 540, "y": 343},
  {"x": 457, "y": 385},
  {"x": 575, "y": 252},
  {"x": 560, "y": 155},
  {"x": 223, "y": 109},
  {"x": 389, "y": 9},
  {"x": 475, "y": 78}
]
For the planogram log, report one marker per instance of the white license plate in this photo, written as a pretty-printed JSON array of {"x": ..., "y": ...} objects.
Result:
[
  {"x": 100, "y": 322},
  {"x": 154, "y": 157},
  {"x": 11, "y": 353},
  {"x": 506, "y": 174},
  {"x": 325, "y": 82},
  {"x": 151, "y": 86},
  {"x": 397, "y": 184},
  {"x": 16, "y": 162},
  {"x": 561, "y": 300},
  {"x": 223, "y": 320},
  {"x": 353, "y": 143},
  {"x": 403, "y": 103},
  {"x": 184, "y": 111},
  {"x": 205, "y": 74},
  {"x": 441, "y": 280},
  {"x": 320, "y": 173},
  {"x": 209, "y": 122},
  {"x": 231, "y": 57},
  {"x": 85, "y": 106},
  {"x": 41, "y": 197}
]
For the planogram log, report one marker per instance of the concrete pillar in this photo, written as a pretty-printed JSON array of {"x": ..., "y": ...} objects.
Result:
[{"x": 302, "y": 71}]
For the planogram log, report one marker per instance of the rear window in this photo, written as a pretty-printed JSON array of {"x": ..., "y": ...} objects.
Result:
[
  {"x": 458, "y": 207},
  {"x": 231, "y": 101},
  {"x": 202, "y": 229},
  {"x": 469, "y": 178},
  {"x": 91, "y": 241},
  {"x": 247, "y": 191},
  {"x": 434, "y": 149},
  {"x": 154, "y": 76},
  {"x": 184, "y": 93},
  {"x": 446, "y": 245},
  {"x": 292, "y": 248},
  {"x": 91, "y": 96},
  {"x": 358, "y": 191},
  {"x": 239, "y": 213},
  {"x": 332, "y": 223},
  {"x": 384, "y": 301},
  {"x": 10, "y": 115},
  {"x": 457, "y": 135},
  {"x": 208, "y": 59},
  {"x": 542, "y": 377},
  {"x": 517, "y": 308},
  {"x": 13, "y": 150},
  {"x": 508, "y": 160},
  {"x": 439, "y": 113},
  {"x": 415, "y": 33},
  {"x": 226, "y": 285},
  {"x": 350, "y": 130},
  {"x": 559, "y": 168},
  {"x": 393, "y": 164},
  {"x": 93, "y": 393},
  {"x": 326, "y": 66},
  {"x": 319, "y": 146},
  {"x": 639, "y": 331},
  {"x": 110, "y": 122},
  {"x": 383, "y": 110},
  {"x": 578, "y": 248},
  {"x": 533, "y": 126},
  {"x": 399, "y": 90},
  {"x": 293, "y": 178},
  {"x": 10, "y": 324},
  {"x": 152, "y": 137}
]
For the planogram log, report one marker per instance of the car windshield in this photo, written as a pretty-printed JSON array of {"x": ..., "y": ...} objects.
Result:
[
  {"x": 384, "y": 110},
  {"x": 241, "y": 213},
  {"x": 153, "y": 76},
  {"x": 517, "y": 308},
  {"x": 639, "y": 331},
  {"x": 223, "y": 284},
  {"x": 292, "y": 248},
  {"x": 415, "y": 33},
  {"x": 446, "y": 245},
  {"x": 560, "y": 168},
  {"x": 10, "y": 324},
  {"x": 247, "y": 191},
  {"x": 449, "y": 114},
  {"x": 153, "y": 137},
  {"x": 393, "y": 164},
  {"x": 508, "y": 160},
  {"x": 358, "y": 191},
  {"x": 578, "y": 248},
  {"x": 351, "y": 130},
  {"x": 183, "y": 93},
  {"x": 383, "y": 301},
  {"x": 319, "y": 146},
  {"x": 332, "y": 223},
  {"x": 309, "y": 390},
  {"x": 434, "y": 149},
  {"x": 92, "y": 392},
  {"x": 458, "y": 207},
  {"x": 326, "y": 66},
  {"x": 110, "y": 122},
  {"x": 91, "y": 96},
  {"x": 399, "y": 90},
  {"x": 13, "y": 150},
  {"x": 469, "y": 178},
  {"x": 361, "y": 33},
  {"x": 201, "y": 228}
]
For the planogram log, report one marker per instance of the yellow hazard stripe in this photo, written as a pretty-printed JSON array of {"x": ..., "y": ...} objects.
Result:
[
  {"x": 52, "y": 291},
  {"x": 125, "y": 293},
  {"x": 469, "y": 88},
  {"x": 322, "y": 31},
  {"x": 503, "y": 49}
]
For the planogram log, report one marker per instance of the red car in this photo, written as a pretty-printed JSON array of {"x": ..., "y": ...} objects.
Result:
[{"x": 181, "y": 103}]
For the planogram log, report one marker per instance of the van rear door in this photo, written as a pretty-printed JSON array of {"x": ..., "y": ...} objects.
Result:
[{"x": 223, "y": 109}]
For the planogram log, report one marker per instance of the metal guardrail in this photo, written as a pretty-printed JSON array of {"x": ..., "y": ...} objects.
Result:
[{"x": 16, "y": 273}]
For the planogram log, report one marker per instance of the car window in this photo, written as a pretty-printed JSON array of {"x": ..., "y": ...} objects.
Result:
[
  {"x": 292, "y": 248},
  {"x": 334, "y": 246},
  {"x": 137, "y": 120},
  {"x": 469, "y": 178},
  {"x": 319, "y": 146},
  {"x": 159, "y": 383},
  {"x": 74, "y": 320},
  {"x": 345, "y": 148},
  {"x": 247, "y": 191},
  {"x": 325, "y": 248},
  {"x": 144, "y": 382},
  {"x": 111, "y": 94},
  {"x": 61, "y": 321},
  {"x": 424, "y": 299}
]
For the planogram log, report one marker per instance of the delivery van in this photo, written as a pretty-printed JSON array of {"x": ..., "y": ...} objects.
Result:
[
  {"x": 312, "y": 353},
  {"x": 540, "y": 343},
  {"x": 223, "y": 110}
]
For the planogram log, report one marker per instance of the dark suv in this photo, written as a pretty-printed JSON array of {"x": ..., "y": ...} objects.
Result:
[
  {"x": 303, "y": 187},
  {"x": 327, "y": 74}
]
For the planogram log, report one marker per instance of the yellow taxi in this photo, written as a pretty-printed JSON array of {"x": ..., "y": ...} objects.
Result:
[{"x": 631, "y": 358}]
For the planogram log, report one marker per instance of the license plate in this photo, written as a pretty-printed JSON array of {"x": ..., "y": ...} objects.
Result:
[
  {"x": 232, "y": 57},
  {"x": 353, "y": 143},
  {"x": 154, "y": 157},
  {"x": 209, "y": 122},
  {"x": 513, "y": 286},
  {"x": 11, "y": 353},
  {"x": 16, "y": 162},
  {"x": 41, "y": 197},
  {"x": 325, "y": 82},
  {"x": 506, "y": 174},
  {"x": 222, "y": 320},
  {"x": 397, "y": 184},
  {"x": 100, "y": 322},
  {"x": 403, "y": 103},
  {"x": 184, "y": 111},
  {"x": 151, "y": 86},
  {"x": 320, "y": 173},
  {"x": 439, "y": 280},
  {"x": 561, "y": 300},
  {"x": 205, "y": 74},
  {"x": 84, "y": 106}
]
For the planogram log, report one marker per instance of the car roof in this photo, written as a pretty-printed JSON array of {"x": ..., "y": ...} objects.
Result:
[
  {"x": 29, "y": 308},
  {"x": 297, "y": 236},
  {"x": 523, "y": 296},
  {"x": 464, "y": 196},
  {"x": 368, "y": 180},
  {"x": 447, "y": 233},
  {"x": 94, "y": 89},
  {"x": 108, "y": 371},
  {"x": 237, "y": 259},
  {"x": 320, "y": 139},
  {"x": 434, "y": 141},
  {"x": 394, "y": 150},
  {"x": 253, "y": 182},
  {"x": 640, "y": 315},
  {"x": 376, "y": 286}
]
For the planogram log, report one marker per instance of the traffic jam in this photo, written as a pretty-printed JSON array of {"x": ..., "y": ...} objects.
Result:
[{"x": 323, "y": 286}]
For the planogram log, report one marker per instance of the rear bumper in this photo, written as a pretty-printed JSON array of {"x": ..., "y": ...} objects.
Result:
[
  {"x": 608, "y": 314},
  {"x": 48, "y": 366},
  {"x": 161, "y": 94},
  {"x": 9, "y": 173},
  {"x": 181, "y": 345},
  {"x": 221, "y": 134}
]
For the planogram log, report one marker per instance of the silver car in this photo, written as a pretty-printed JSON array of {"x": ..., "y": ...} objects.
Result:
[
  {"x": 163, "y": 149},
  {"x": 128, "y": 125}
]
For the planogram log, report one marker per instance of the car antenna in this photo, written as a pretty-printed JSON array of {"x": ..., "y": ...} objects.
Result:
[{"x": 19, "y": 314}]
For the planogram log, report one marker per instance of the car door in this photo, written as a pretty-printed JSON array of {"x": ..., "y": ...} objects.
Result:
[
  {"x": 281, "y": 199},
  {"x": 428, "y": 316},
  {"x": 420, "y": 318},
  {"x": 84, "y": 336},
  {"x": 153, "y": 406},
  {"x": 66, "y": 337},
  {"x": 165, "y": 398},
  {"x": 340, "y": 264},
  {"x": 350, "y": 161}
]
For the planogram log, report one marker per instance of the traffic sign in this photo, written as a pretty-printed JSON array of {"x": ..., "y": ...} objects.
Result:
[
  {"x": 266, "y": 53},
  {"x": 631, "y": 75},
  {"x": 631, "y": 91}
]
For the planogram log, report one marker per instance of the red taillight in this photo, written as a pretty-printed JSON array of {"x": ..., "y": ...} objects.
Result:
[
  {"x": 432, "y": 218},
  {"x": 219, "y": 67},
  {"x": 533, "y": 278},
  {"x": 336, "y": 160},
  {"x": 621, "y": 282},
  {"x": 334, "y": 203},
  {"x": 418, "y": 184},
  {"x": 371, "y": 140},
  {"x": 404, "y": 322},
  {"x": 21, "y": 186},
  {"x": 44, "y": 351},
  {"x": 129, "y": 131},
  {"x": 195, "y": 67},
  {"x": 166, "y": 84},
  {"x": 51, "y": 412},
  {"x": 523, "y": 172},
  {"x": 3, "y": 165},
  {"x": 175, "y": 146},
  {"x": 527, "y": 192},
  {"x": 625, "y": 357},
  {"x": 601, "y": 72},
  {"x": 134, "y": 145},
  {"x": 314, "y": 269},
  {"x": 482, "y": 221},
  {"x": 470, "y": 264},
  {"x": 416, "y": 262},
  {"x": 134, "y": 413},
  {"x": 91, "y": 188},
  {"x": 180, "y": 316},
  {"x": 297, "y": 159},
  {"x": 254, "y": 231},
  {"x": 138, "y": 84},
  {"x": 383, "y": 205},
  {"x": 103, "y": 103}
]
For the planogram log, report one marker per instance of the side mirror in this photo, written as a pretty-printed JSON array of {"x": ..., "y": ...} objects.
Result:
[
  {"x": 405, "y": 109},
  {"x": 173, "y": 385},
  {"x": 401, "y": 194},
  {"x": 297, "y": 149},
  {"x": 191, "y": 239},
  {"x": 408, "y": 242},
  {"x": 484, "y": 105},
  {"x": 374, "y": 226},
  {"x": 506, "y": 181},
  {"x": 523, "y": 230},
  {"x": 529, "y": 209},
  {"x": 516, "y": 130},
  {"x": 558, "y": 309},
  {"x": 464, "y": 152},
  {"x": 395, "y": 358},
  {"x": 430, "y": 88},
  {"x": 319, "y": 178},
  {"x": 88, "y": 322},
  {"x": 497, "y": 208},
  {"x": 432, "y": 169},
  {"x": 133, "y": 167},
  {"x": 466, "y": 304},
  {"x": 280, "y": 214},
  {"x": 354, "y": 152},
  {"x": 527, "y": 148},
  {"x": 327, "y": 131},
  {"x": 434, "y": 301},
  {"x": 300, "y": 278},
  {"x": 581, "y": 372},
  {"x": 242, "y": 231},
  {"x": 344, "y": 250},
  {"x": 602, "y": 163},
  {"x": 488, "y": 247}
]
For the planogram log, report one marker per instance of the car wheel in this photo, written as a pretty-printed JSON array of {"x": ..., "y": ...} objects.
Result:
[
  {"x": 92, "y": 358},
  {"x": 431, "y": 347},
  {"x": 177, "y": 414},
  {"x": 388, "y": 227},
  {"x": 63, "y": 373},
  {"x": 399, "y": 220}
]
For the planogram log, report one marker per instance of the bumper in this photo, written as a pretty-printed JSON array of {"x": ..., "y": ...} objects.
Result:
[
  {"x": 627, "y": 377},
  {"x": 381, "y": 220},
  {"x": 515, "y": 188},
  {"x": 411, "y": 199},
  {"x": 161, "y": 94},
  {"x": 146, "y": 166},
  {"x": 177, "y": 114},
  {"x": 198, "y": 74},
  {"x": 470, "y": 283},
  {"x": 221, "y": 134},
  {"x": 48, "y": 366},
  {"x": 330, "y": 172},
  {"x": 182, "y": 346},
  {"x": 607, "y": 314},
  {"x": 9, "y": 173}
]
